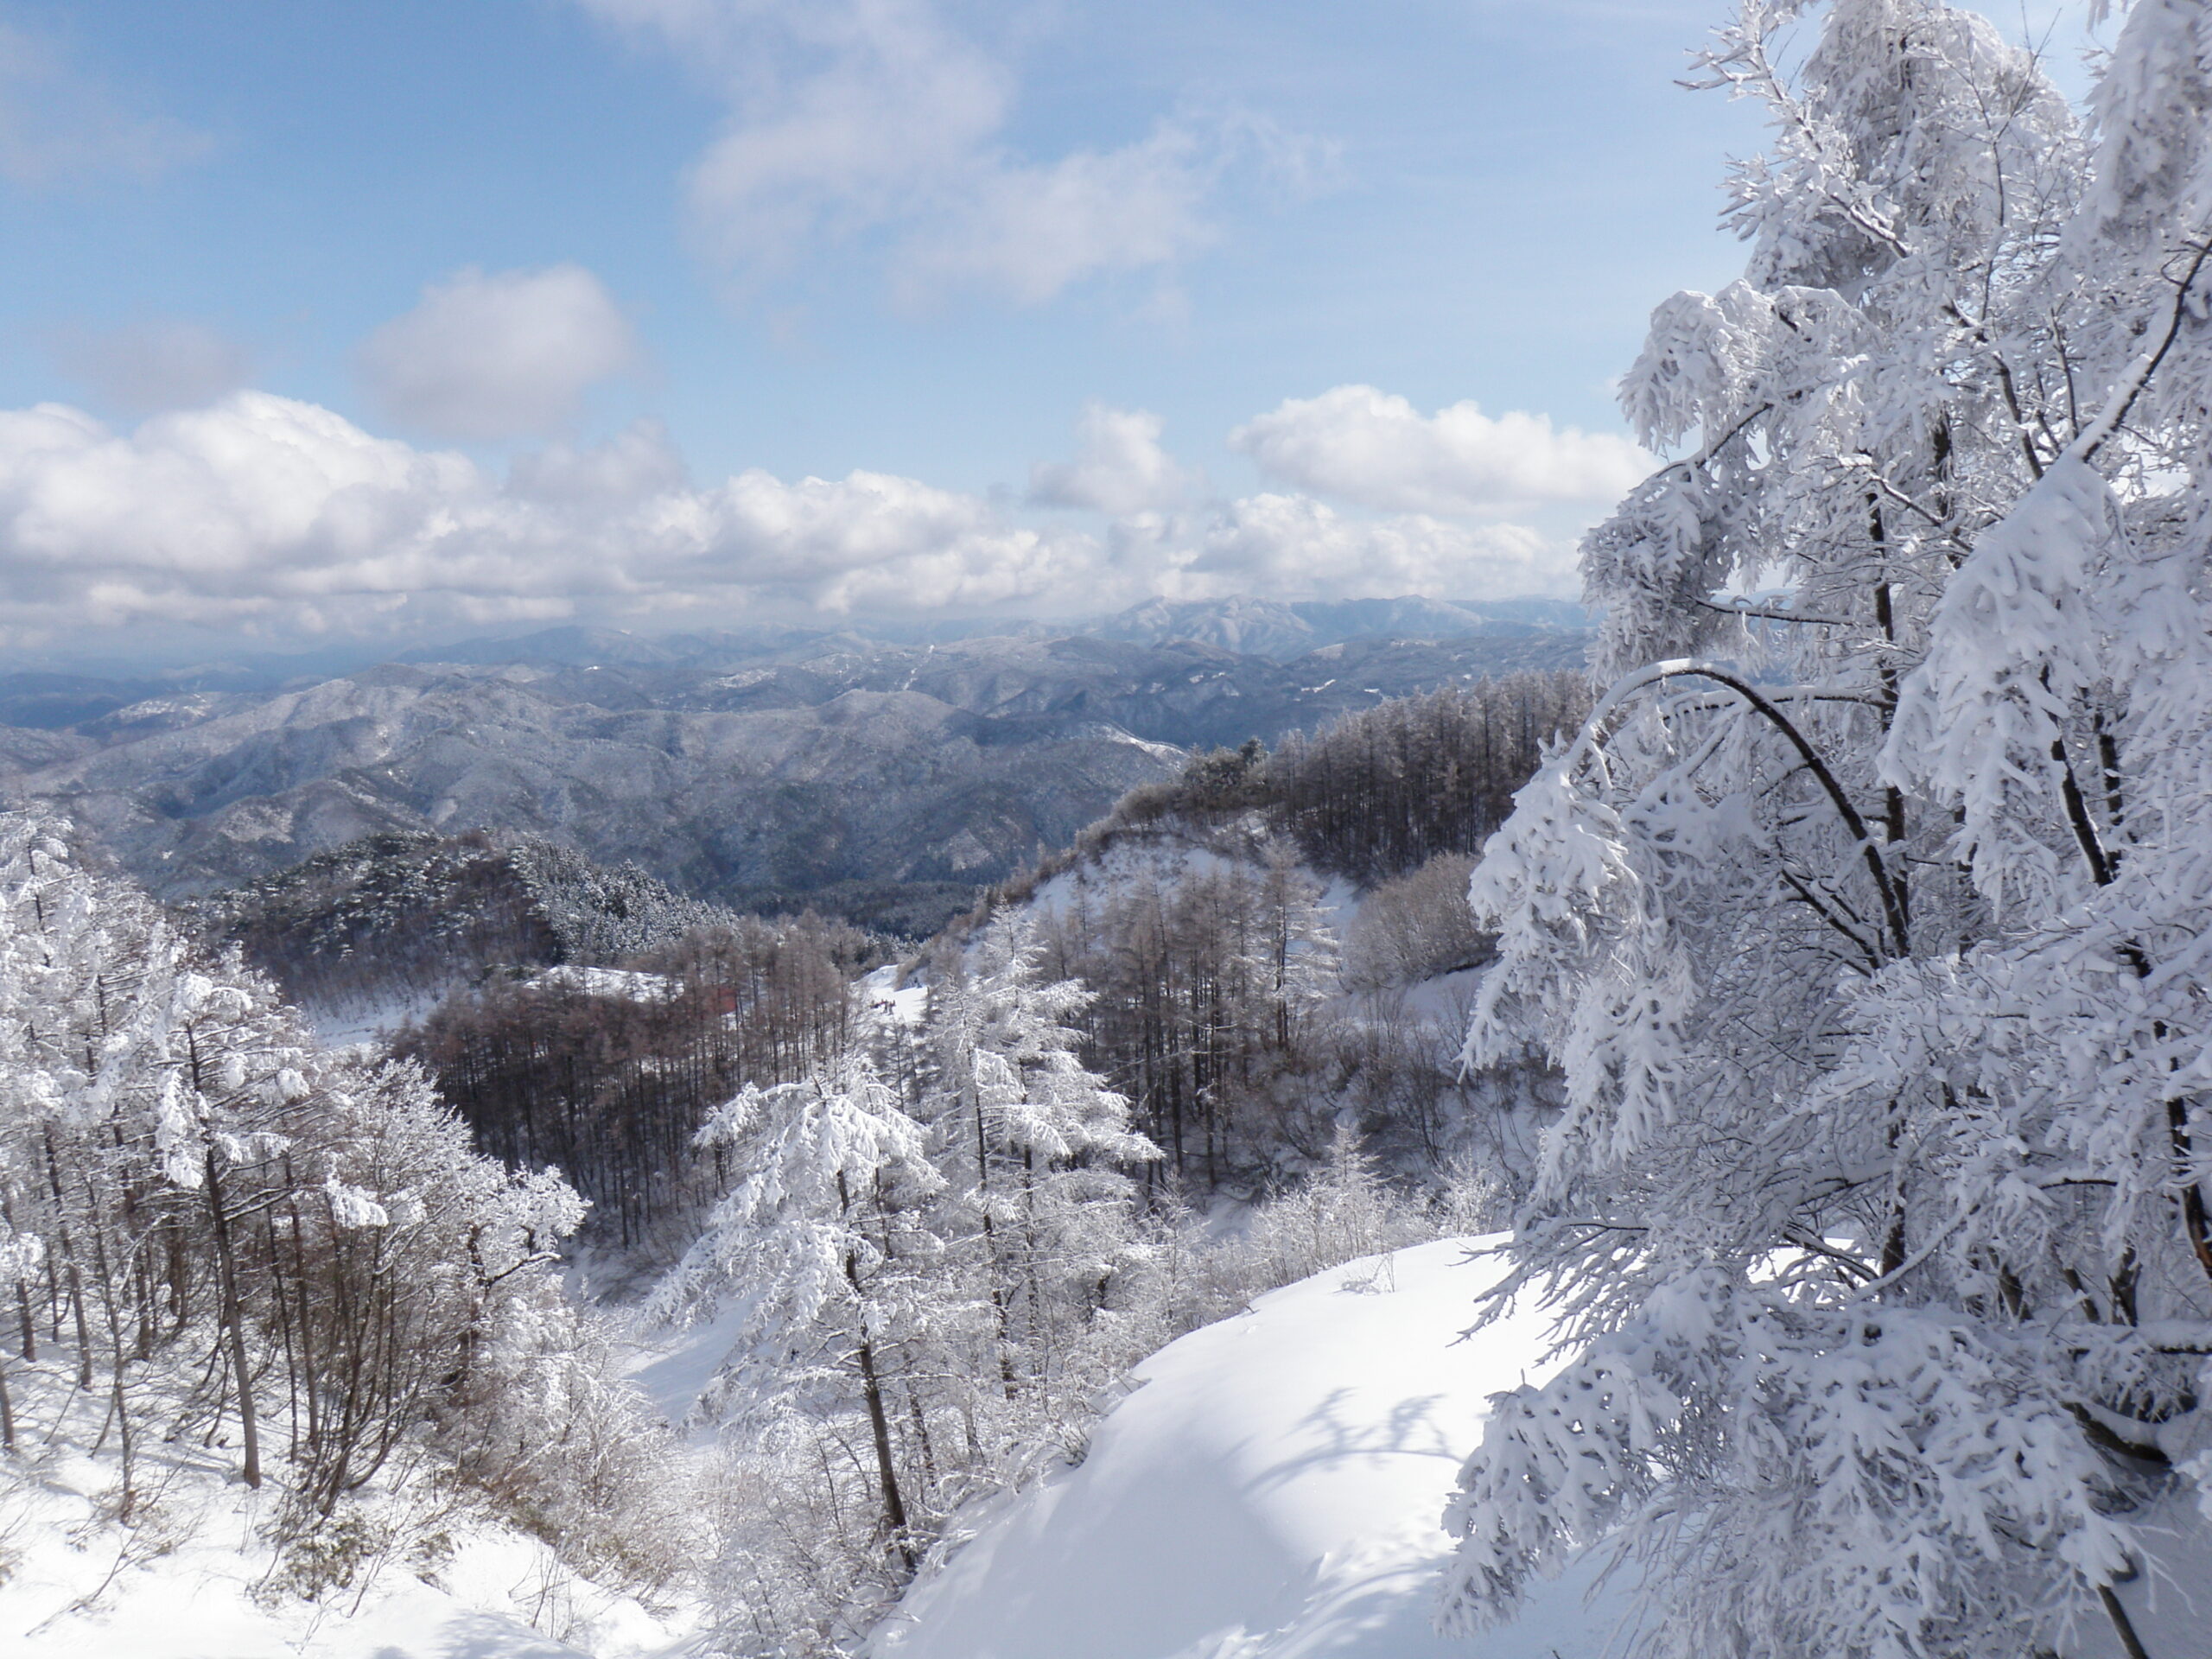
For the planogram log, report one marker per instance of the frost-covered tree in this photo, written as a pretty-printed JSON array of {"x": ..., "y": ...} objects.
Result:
[
  {"x": 1035, "y": 1146},
  {"x": 233, "y": 1235},
  {"x": 1866, "y": 914},
  {"x": 820, "y": 1253}
]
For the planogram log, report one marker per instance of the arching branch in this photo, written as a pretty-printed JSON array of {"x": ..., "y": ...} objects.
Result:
[{"x": 1893, "y": 912}]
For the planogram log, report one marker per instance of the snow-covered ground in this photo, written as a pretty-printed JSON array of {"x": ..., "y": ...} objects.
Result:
[
  {"x": 193, "y": 1576},
  {"x": 608, "y": 982},
  {"x": 369, "y": 1021},
  {"x": 182, "y": 1586},
  {"x": 1270, "y": 1490}
]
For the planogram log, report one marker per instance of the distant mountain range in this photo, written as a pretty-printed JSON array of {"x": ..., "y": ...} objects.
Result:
[
  {"x": 1266, "y": 627},
  {"x": 886, "y": 780}
]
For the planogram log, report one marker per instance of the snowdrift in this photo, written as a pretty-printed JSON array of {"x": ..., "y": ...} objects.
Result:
[{"x": 1270, "y": 1490}]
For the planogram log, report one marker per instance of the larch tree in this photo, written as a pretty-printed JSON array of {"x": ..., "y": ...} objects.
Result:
[
  {"x": 1867, "y": 914},
  {"x": 1035, "y": 1145},
  {"x": 217, "y": 1222},
  {"x": 821, "y": 1251}
]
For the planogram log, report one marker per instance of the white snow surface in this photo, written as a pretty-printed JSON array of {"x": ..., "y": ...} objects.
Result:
[
  {"x": 1270, "y": 1490},
  {"x": 193, "y": 1576},
  {"x": 182, "y": 1586}
]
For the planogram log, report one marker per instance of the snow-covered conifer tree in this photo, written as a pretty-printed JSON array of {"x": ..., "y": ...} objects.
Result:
[
  {"x": 1866, "y": 914},
  {"x": 1033, "y": 1143},
  {"x": 821, "y": 1251}
]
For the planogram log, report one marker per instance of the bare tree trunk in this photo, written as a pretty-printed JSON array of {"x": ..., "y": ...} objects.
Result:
[
  {"x": 879, "y": 1420},
  {"x": 233, "y": 1322},
  {"x": 2123, "y": 1627},
  {"x": 75, "y": 1274},
  {"x": 118, "y": 1406},
  {"x": 27, "y": 1322},
  {"x": 991, "y": 1246}
]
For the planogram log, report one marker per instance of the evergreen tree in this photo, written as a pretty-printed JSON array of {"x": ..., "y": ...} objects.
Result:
[{"x": 821, "y": 1252}]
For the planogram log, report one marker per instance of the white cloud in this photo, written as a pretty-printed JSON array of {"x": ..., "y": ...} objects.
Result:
[
  {"x": 1295, "y": 547},
  {"x": 497, "y": 356},
  {"x": 884, "y": 107},
  {"x": 146, "y": 367},
  {"x": 1376, "y": 449},
  {"x": 282, "y": 519},
  {"x": 852, "y": 117},
  {"x": 1031, "y": 231},
  {"x": 1119, "y": 468},
  {"x": 59, "y": 127}
]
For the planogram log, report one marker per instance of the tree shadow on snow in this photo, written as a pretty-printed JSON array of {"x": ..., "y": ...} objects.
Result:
[{"x": 1330, "y": 1435}]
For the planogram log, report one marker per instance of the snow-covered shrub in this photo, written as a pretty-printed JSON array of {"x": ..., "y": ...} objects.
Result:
[
  {"x": 546, "y": 1426},
  {"x": 1205, "y": 1270}
]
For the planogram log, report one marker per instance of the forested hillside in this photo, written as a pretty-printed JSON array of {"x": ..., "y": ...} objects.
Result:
[
  {"x": 398, "y": 918},
  {"x": 782, "y": 769},
  {"x": 1278, "y": 943},
  {"x": 609, "y": 1074},
  {"x": 235, "y": 1255}
]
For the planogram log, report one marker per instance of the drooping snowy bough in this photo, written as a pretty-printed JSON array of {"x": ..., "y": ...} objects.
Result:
[{"x": 1868, "y": 917}]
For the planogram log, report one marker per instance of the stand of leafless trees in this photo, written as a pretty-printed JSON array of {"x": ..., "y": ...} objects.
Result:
[{"x": 607, "y": 1076}]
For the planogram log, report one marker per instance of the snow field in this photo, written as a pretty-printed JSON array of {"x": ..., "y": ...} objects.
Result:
[{"x": 1270, "y": 1490}]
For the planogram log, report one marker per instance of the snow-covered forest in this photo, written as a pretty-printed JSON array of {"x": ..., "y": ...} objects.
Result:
[{"x": 1784, "y": 1050}]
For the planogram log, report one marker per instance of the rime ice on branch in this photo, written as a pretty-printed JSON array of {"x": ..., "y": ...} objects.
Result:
[{"x": 1868, "y": 917}]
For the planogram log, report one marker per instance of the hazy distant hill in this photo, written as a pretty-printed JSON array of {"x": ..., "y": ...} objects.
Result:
[
  {"x": 888, "y": 781},
  {"x": 1273, "y": 628}
]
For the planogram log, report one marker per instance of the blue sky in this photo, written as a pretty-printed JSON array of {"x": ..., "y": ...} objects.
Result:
[{"x": 436, "y": 314}]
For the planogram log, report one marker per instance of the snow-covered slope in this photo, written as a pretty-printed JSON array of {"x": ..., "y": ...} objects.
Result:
[
  {"x": 188, "y": 1581},
  {"x": 411, "y": 1568},
  {"x": 1270, "y": 1491}
]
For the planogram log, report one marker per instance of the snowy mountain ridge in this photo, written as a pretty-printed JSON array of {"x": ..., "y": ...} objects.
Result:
[{"x": 889, "y": 781}]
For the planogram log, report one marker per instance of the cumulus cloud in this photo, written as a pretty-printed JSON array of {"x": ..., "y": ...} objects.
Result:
[
  {"x": 500, "y": 355},
  {"x": 282, "y": 519},
  {"x": 60, "y": 127},
  {"x": 265, "y": 517},
  {"x": 146, "y": 367},
  {"x": 1375, "y": 449},
  {"x": 1295, "y": 547},
  {"x": 856, "y": 117},
  {"x": 1119, "y": 466}
]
